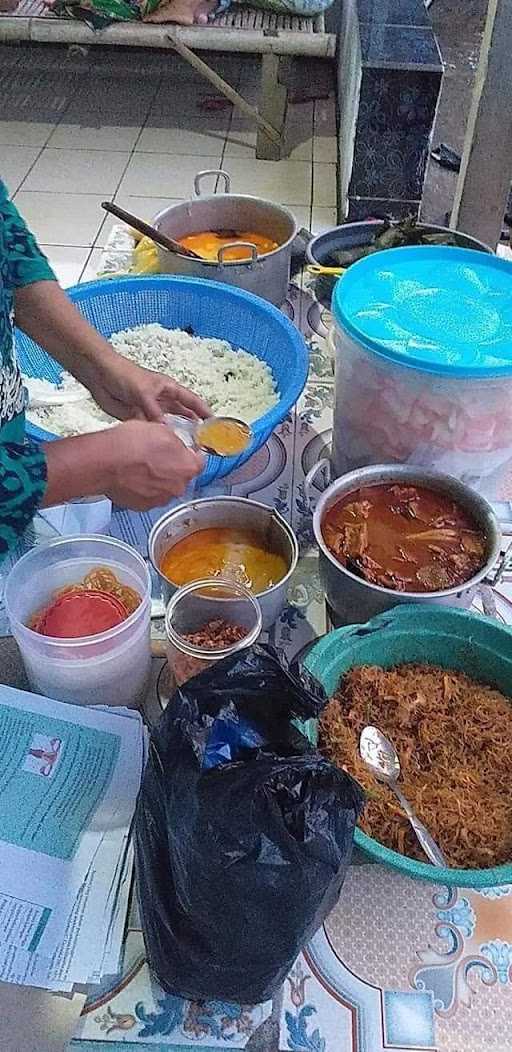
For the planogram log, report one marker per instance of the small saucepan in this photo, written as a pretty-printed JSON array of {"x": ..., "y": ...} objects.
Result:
[{"x": 265, "y": 522}]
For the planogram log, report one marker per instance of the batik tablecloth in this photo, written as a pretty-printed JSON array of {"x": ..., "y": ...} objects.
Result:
[{"x": 400, "y": 964}]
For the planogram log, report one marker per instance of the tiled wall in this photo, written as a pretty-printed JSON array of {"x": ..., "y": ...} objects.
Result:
[{"x": 390, "y": 74}]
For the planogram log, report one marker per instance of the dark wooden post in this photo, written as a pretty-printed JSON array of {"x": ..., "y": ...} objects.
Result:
[{"x": 486, "y": 169}]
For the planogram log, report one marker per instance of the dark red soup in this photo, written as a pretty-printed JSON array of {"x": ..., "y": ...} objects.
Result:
[{"x": 406, "y": 538}]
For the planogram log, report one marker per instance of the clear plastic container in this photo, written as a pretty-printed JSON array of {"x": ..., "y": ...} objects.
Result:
[
  {"x": 423, "y": 362},
  {"x": 111, "y": 668},
  {"x": 194, "y": 607},
  {"x": 385, "y": 414}
]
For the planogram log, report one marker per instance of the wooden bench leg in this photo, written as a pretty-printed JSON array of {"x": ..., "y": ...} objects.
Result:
[{"x": 273, "y": 102}]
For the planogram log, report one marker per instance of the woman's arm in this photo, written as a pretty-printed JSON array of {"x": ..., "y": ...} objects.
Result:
[
  {"x": 46, "y": 314},
  {"x": 123, "y": 389}
]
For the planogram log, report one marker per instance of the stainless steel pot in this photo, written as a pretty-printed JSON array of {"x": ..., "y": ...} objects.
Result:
[
  {"x": 274, "y": 531},
  {"x": 354, "y": 600},
  {"x": 267, "y": 276}
]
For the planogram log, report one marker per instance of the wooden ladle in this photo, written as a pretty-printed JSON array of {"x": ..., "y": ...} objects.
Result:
[{"x": 149, "y": 231}]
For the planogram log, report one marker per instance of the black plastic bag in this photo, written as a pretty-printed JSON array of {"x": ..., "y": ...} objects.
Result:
[{"x": 243, "y": 832}]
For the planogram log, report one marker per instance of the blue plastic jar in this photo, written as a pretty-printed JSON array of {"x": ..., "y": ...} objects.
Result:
[{"x": 423, "y": 340}]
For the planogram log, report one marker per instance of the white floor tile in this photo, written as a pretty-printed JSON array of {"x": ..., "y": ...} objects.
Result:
[
  {"x": 77, "y": 171},
  {"x": 24, "y": 133},
  {"x": 175, "y": 104},
  {"x": 325, "y": 117},
  {"x": 15, "y": 162},
  {"x": 184, "y": 114},
  {"x": 144, "y": 207},
  {"x": 196, "y": 139},
  {"x": 90, "y": 272},
  {"x": 250, "y": 72},
  {"x": 62, "y": 219},
  {"x": 324, "y": 184},
  {"x": 298, "y": 133},
  {"x": 325, "y": 148},
  {"x": 67, "y": 262},
  {"x": 93, "y": 136},
  {"x": 111, "y": 99},
  {"x": 323, "y": 219},
  {"x": 241, "y": 142},
  {"x": 286, "y": 182},
  {"x": 302, "y": 216},
  {"x": 29, "y": 94},
  {"x": 157, "y": 174}
]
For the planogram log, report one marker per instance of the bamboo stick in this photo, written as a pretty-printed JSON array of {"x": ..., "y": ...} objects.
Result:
[{"x": 226, "y": 89}]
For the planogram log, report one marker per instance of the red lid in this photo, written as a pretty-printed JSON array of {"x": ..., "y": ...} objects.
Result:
[{"x": 81, "y": 613}]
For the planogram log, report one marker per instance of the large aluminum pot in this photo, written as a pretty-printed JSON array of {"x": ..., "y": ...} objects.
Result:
[
  {"x": 267, "y": 276},
  {"x": 240, "y": 512},
  {"x": 354, "y": 600}
]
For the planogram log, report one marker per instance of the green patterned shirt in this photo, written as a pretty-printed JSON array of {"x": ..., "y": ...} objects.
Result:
[{"x": 22, "y": 463}]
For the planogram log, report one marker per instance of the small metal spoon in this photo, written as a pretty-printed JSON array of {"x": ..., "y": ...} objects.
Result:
[
  {"x": 380, "y": 757},
  {"x": 188, "y": 431}
]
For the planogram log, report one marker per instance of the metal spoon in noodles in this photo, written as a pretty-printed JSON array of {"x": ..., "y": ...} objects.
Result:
[{"x": 381, "y": 758}]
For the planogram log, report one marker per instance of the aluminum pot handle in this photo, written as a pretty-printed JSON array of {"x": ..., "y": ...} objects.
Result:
[
  {"x": 211, "y": 171},
  {"x": 501, "y": 567},
  {"x": 323, "y": 465},
  {"x": 238, "y": 244}
]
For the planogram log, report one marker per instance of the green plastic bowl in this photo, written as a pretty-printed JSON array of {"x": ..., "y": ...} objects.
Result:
[{"x": 454, "y": 639}]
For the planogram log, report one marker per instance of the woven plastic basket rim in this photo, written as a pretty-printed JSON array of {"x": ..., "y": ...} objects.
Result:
[
  {"x": 264, "y": 425},
  {"x": 463, "y": 878}
]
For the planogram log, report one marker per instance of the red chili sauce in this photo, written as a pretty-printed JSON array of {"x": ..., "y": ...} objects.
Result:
[{"x": 405, "y": 538}]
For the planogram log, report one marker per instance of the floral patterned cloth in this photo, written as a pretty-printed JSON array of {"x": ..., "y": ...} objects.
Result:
[{"x": 22, "y": 463}]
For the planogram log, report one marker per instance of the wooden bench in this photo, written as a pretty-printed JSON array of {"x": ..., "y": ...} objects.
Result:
[{"x": 240, "y": 29}]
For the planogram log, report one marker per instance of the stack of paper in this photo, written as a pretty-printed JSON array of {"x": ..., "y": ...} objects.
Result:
[{"x": 69, "y": 779}]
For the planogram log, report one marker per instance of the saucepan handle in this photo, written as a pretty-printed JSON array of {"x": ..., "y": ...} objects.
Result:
[
  {"x": 502, "y": 567},
  {"x": 322, "y": 466},
  {"x": 211, "y": 171},
  {"x": 238, "y": 244}
]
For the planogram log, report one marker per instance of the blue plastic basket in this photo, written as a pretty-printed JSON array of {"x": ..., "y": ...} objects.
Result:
[{"x": 212, "y": 309}]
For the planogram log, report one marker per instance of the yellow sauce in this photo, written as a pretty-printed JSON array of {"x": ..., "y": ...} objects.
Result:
[
  {"x": 224, "y": 551},
  {"x": 223, "y": 436},
  {"x": 208, "y": 242}
]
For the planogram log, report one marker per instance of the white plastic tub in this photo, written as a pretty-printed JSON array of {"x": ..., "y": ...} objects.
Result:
[
  {"x": 423, "y": 362},
  {"x": 111, "y": 668}
]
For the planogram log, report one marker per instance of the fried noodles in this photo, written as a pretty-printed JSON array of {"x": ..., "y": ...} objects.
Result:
[{"x": 453, "y": 737}]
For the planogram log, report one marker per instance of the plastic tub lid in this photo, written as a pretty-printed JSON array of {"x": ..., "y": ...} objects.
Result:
[
  {"x": 436, "y": 308},
  {"x": 76, "y": 615}
]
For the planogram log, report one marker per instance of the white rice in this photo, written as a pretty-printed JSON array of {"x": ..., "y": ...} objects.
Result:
[{"x": 232, "y": 382}]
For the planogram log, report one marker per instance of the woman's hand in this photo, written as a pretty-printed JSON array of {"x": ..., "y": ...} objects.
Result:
[
  {"x": 149, "y": 465},
  {"x": 139, "y": 465},
  {"x": 129, "y": 392}
]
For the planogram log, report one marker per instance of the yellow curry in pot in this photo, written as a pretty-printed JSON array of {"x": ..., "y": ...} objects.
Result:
[{"x": 208, "y": 242}]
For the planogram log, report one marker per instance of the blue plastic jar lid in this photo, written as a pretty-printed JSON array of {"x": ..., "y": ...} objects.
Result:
[{"x": 439, "y": 309}]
